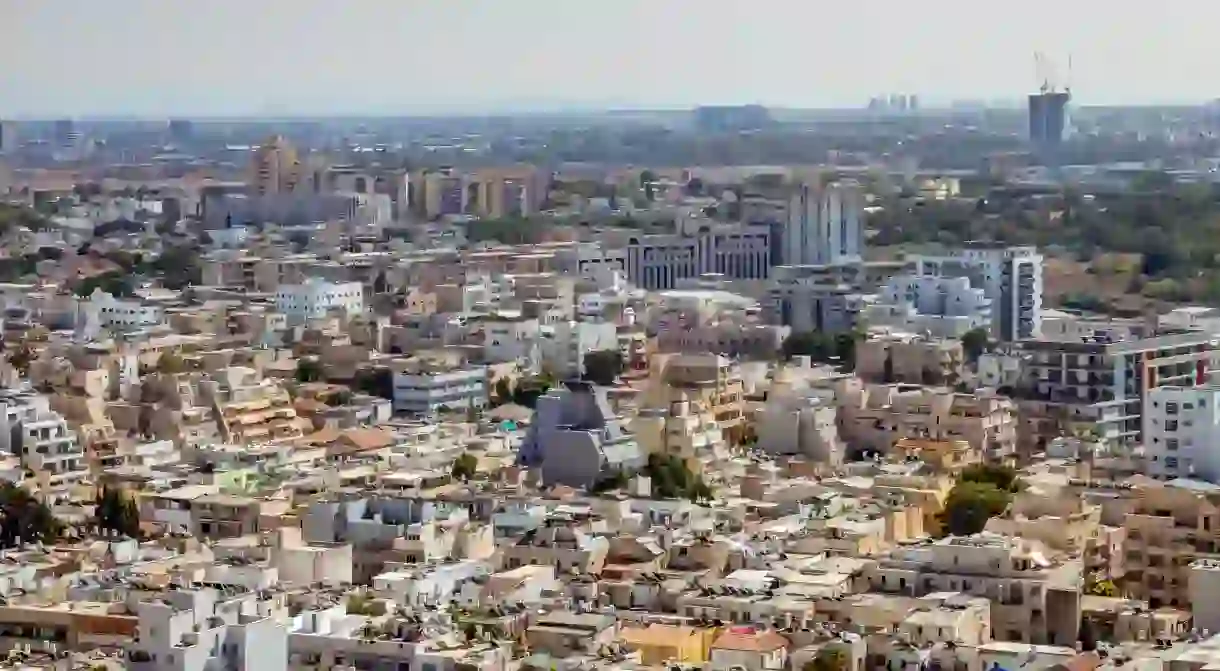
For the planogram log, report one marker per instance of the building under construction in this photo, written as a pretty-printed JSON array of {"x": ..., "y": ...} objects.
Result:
[{"x": 1048, "y": 112}]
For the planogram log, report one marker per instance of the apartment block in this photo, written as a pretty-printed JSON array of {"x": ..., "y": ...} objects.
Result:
[
  {"x": 1181, "y": 429},
  {"x": 1102, "y": 381},
  {"x": 1035, "y": 598},
  {"x": 315, "y": 299},
  {"x": 909, "y": 358},
  {"x": 1010, "y": 277},
  {"x": 423, "y": 386},
  {"x": 874, "y": 417}
]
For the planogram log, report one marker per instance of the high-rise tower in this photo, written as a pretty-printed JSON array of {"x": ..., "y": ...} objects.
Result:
[
  {"x": 824, "y": 225},
  {"x": 274, "y": 167}
]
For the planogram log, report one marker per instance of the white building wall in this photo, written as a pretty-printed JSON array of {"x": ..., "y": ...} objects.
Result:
[
  {"x": 1182, "y": 432},
  {"x": 571, "y": 341},
  {"x": 1011, "y": 277},
  {"x": 428, "y": 392},
  {"x": 315, "y": 298}
]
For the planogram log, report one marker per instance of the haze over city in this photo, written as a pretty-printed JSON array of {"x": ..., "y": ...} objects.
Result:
[{"x": 301, "y": 57}]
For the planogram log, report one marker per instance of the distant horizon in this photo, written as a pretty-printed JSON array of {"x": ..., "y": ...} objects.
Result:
[
  {"x": 477, "y": 111},
  {"x": 276, "y": 58}
]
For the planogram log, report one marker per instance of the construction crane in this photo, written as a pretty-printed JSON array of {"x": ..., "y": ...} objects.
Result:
[{"x": 1044, "y": 71}]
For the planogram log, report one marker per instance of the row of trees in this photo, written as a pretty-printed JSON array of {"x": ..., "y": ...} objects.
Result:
[
  {"x": 1172, "y": 229},
  {"x": 823, "y": 347}
]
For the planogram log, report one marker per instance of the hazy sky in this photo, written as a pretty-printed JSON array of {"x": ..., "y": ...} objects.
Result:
[{"x": 159, "y": 57}]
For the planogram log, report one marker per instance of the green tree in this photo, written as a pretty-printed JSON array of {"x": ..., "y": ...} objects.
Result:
[
  {"x": 814, "y": 344},
  {"x": 309, "y": 370},
  {"x": 614, "y": 480},
  {"x": 529, "y": 389},
  {"x": 821, "y": 347},
  {"x": 671, "y": 479},
  {"x": 377, "y": 382},
  {"x": 502, "y": 391},
  {"x": 970, "y": 505},
  {"x": 170, "y": 364},
  {"x": 603, "y": 367},
  {"x": 117, "y": 513},
  {"x": 1004, "y": 478},
  {"x": 21, "y": 358},
  {"x": 1098, "y": 585},
  {"x": 465, "y": 466},
  {"x": 827, "y": 659},
  {"x": 178, "y": 267},
  {"x": 114, "y": 283},
  {"x": 24, "y": 519},
  {"x": 974, "y": 343}
]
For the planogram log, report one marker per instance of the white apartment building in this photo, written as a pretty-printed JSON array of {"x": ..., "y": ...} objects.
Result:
[
  {"x": 53, "y": 452},
  {"x": 564, "y": 352},
  {"x": 316, "y": 298},
  {"x": 1182, "y": 432},
  {"x": 941, "y": 307},
  {"x": 201, "y": 630},
  {"x": 423, "y": 388},
  {"x": 824, "y": 225},
  {"x": 104, "y": 310},
  {"x": 509, "y": 338},
  {"x": 1010, "y": 277},
  {"x": 739, "y": 252}
]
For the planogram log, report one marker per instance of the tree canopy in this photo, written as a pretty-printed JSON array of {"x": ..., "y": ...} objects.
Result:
[
  {"x": 116, "y": 512},
  {"x": 603, "y": 367},
  {"x": 465, "y": 466},
  {"x": 309, "y": 370},
  {"x": 974, "y": 343},
  {"x": 24, "y": 519},
  {"x": 671, "y": 479},
  {"x": 822, "y": 347},
  {"x": 1174, "y": 228},
  {"x": 981, "y": 492}
]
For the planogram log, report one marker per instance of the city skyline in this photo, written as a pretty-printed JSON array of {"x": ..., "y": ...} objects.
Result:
[{"x": 274, "y": 58}]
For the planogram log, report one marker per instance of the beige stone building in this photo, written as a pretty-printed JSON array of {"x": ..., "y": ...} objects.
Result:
[
  {"x": 1035, "y": 597},
  {"x": 875, "y": 417},
  {"x": 909, "y": 358},
  {"x": 1168, "y": 528},
  {"x": 710, "y": 378}
]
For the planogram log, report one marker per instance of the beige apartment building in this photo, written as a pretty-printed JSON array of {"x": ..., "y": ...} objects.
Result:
[
  {"x": 875, "y": 417},
  {"x": 250, "y": 409},
  {"x": 275, "y": 167},
  {"x": 711, "y": 379},
  {"x": 909, "y": 358},
  {"x": 1065, "y": 523},
  {"x": 1035, "y": 596},
  {"x": 1168, "y": 528}
]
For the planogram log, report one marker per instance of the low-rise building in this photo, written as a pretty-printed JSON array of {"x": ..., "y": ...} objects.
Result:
[
  {"x": 424, "y": 386},
  {"x": 316, "y": 298}
]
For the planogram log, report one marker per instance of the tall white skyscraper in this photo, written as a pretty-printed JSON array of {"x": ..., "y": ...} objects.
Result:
[{"x": 824, "y": 225}]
